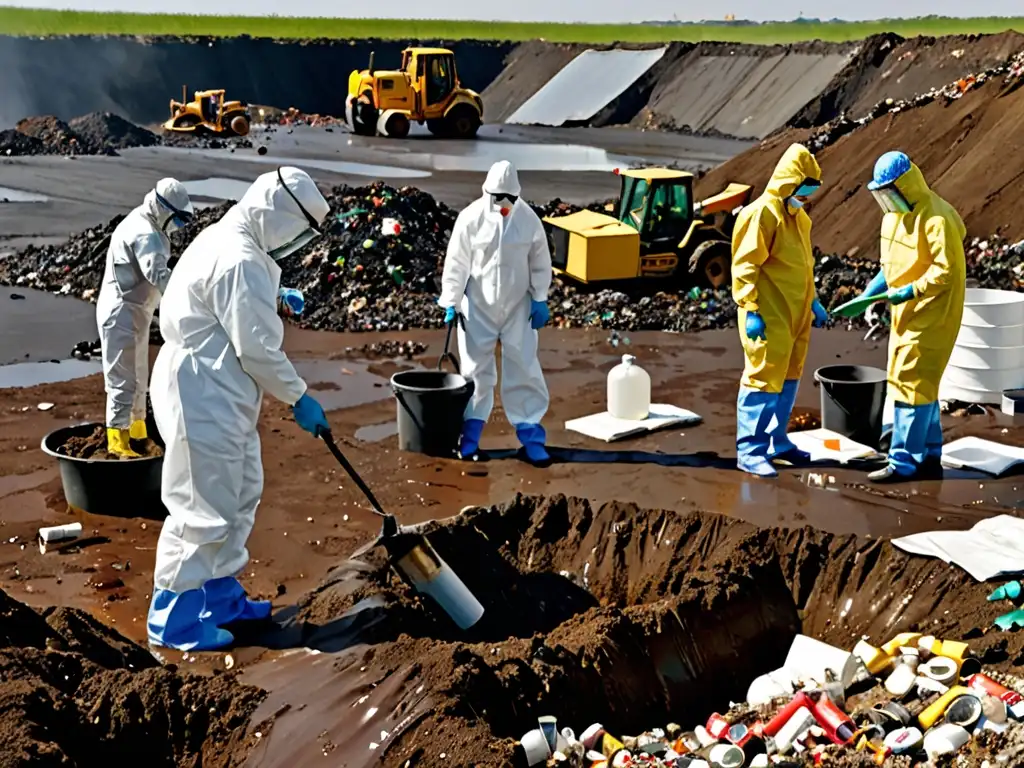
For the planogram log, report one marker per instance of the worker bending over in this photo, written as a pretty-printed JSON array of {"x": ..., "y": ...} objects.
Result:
[
  {"x": 497, "y": 273},
  {"x": 135, "y": 276},
  {"x": 924, "y": 278},
  {"x": 222, "y": 351},
  {"x": 773, "y": 286}
]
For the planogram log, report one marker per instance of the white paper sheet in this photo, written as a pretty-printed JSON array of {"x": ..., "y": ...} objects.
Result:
[
  {"x": 983, "y": 455},
  {"x": 604, "y": 426},
  {"x": 813, "y": 441},
  {"x": 993, "y": 547}
]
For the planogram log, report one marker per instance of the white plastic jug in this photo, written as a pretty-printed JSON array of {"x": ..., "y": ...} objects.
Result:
[{"x": 629, "y": 390}]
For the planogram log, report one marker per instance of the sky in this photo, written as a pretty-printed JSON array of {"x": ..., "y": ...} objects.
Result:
[{"x": 598, "y": 11}]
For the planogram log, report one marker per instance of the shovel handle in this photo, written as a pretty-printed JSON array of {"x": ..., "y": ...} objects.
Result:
[
  {"x": 446, "y": 355},
  {"x": 328, "y": 438}
]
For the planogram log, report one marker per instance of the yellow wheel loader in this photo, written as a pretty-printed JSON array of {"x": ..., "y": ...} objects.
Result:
[
  {"x": 658, "y": 232},
  {"x": 426, "y": 90},
  {"x": 208, "y": 113}
]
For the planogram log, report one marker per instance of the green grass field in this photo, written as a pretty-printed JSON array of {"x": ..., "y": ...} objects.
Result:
[{"x": 21, "y": 21}]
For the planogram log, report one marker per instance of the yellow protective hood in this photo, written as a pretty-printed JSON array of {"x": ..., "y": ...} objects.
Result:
[
  {"x": 913, "y": 187},
  {"x": 796, "y": 166}
]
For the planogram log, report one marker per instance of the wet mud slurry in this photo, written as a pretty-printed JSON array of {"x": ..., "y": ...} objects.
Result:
[
  {"x": 94, "y": 447},
  {"x": 78, "y": 693},
  {"x": 595, "y": 613}
]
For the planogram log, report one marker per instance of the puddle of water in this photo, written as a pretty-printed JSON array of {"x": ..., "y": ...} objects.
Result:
[
  {"x": 12, "y": 484},
  {"x": 218, "y": 188},
  {"x": 30, "y": 374},
  {"x": 338, "y": 385},
  {"x": 529, "y": 157},
  {"x": 334, "y": 166},
  {"x": 41, "y": 326},
  {"x": 374, "y": 433},
  {"x": 10, "y": 195}
]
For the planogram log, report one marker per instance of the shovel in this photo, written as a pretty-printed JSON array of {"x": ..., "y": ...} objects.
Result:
[
  {"x": 858, "y": 306},
  {"x": 414, "y": 559}
]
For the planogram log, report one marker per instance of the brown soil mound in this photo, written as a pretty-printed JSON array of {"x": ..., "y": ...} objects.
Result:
[
  {"x": 626, "y": 617},
  {"x": 968, "y": 150},
  {"x": 890, "y": 67},
  {"x": 53, "y": 132},
  {"x": 77, "y": 693},
  {"x": 95, "y": 447}
]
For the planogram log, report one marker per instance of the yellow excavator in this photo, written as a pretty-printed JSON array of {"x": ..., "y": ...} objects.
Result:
[
  {"x": 658, "y": 232},
  {"x": 208, "y": 113},
  {"x": 426, "y": 89}
]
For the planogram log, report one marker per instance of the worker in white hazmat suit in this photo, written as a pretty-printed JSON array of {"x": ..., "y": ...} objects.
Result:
[
  {"x": 497, "y": 273},
  {"x": 134, "y": 278},
  {"x": 222, "y": 351}
]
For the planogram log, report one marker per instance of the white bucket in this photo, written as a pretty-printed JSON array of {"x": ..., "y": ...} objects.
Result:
[{"x": 811, "y": 659}]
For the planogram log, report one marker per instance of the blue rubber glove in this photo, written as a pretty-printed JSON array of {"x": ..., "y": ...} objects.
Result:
[
  {"x": 290, "y": 302},
  {"x": 539, "y": 314},
  {"x": 820, "y": 315},
  {"x": 900, "y": 295},
  {"x": 449, "y": 315},
  {"x": 755, "y": 327},
  {"x": 877, "y": 286},
  {"x": 309, "y": 415}
]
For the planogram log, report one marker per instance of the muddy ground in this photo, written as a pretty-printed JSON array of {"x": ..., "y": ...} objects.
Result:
[{"x": 313, "y": 518}]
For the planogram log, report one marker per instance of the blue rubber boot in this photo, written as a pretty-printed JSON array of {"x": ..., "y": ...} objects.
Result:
[
  {"x": 533, "y": 437},
  {"x": 174, "y": 622},
  {"x": 469, "y": 442},
  {"x": 908, "y": 451},
  {"x": 754, "y": 413},
  {"x": 782, "y": 448},
  {"x": 226, "y": 602}
]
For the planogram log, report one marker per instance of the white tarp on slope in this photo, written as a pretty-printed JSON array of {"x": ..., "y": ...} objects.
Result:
[
  {"x": 584, "y": 86},
  {"x": 993, "y": 547}
]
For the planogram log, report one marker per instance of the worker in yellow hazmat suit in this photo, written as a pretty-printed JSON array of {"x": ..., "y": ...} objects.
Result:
[
  {"x": 773, "y": 286},
  {"x": 924, "y": 277}
]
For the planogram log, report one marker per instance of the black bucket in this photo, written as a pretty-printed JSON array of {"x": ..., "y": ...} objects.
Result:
[
  {"x": 121, "y": 488},
  {"x": 431, "y": 405},
  {"x": 852, "y": 401}
]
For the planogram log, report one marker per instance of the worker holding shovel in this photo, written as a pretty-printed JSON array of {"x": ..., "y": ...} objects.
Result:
[
  {"x": 924, "y": 278},
  {"x": 773, "y": 286}
]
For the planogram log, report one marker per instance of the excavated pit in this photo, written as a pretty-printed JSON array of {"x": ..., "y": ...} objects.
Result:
[{"x": 617, "y": 615}]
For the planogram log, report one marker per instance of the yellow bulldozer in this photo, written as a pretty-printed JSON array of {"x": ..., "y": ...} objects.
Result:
[
  {"x": 208, "y": 113},
  {"x": 426, "y": 90},
  {"x": 657, "y": 232}
]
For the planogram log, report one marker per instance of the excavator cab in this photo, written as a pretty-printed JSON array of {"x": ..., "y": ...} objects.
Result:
[{"x": 658, "y": 231}]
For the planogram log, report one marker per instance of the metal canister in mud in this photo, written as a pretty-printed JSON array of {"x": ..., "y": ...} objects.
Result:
[{"x": 420, "y": 564}]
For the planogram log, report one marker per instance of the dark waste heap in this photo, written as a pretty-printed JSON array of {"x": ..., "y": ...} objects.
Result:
[{"x": 378, "y": 266}]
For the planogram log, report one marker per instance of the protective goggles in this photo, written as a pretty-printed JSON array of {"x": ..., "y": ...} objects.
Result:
[
  {"x": 178, "y": 217},
  {"x": 891, "y": 200},
  {"x": 808, "y": 188},
  {"x": 505, "y": 198}
]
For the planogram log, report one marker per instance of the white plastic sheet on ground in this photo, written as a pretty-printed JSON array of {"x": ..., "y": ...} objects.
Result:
[
  {"x": 584, "y": 86},
  {"x": 993, "y": 547},
  {"x": 983, "y": 455},
  {"x": 604, "y": 426}
]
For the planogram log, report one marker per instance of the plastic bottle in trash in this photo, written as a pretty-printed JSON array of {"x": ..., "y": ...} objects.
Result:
[
  {"x": 629, "y": 390},
  {"x": 290, "y": 302}
]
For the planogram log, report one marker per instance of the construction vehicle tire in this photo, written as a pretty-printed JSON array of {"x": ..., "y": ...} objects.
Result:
[
  {"x": 438, "y": 127},
  {"x": 240, "y": 125},
  {"x": 711, "y": 264},
  {"x": 463, "y": 122},
  {"x": 364, "y": 116},
  {"x": 396, "y": 126}
]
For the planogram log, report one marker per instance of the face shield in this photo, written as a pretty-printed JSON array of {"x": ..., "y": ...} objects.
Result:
[
  {"x": 178, "y": 218},
  {"x": 891, "y": 200},
  {"x": 305, "y": 237}
]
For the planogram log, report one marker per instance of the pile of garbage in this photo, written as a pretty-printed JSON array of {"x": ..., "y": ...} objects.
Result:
[
  {"x": 98, "y": 133},
  {"x": 295, "y": 116},
  {"x": 378, "y": 269},
  {"x": 1012, "y": 70},
  {"x": 913, "y": 701}
]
